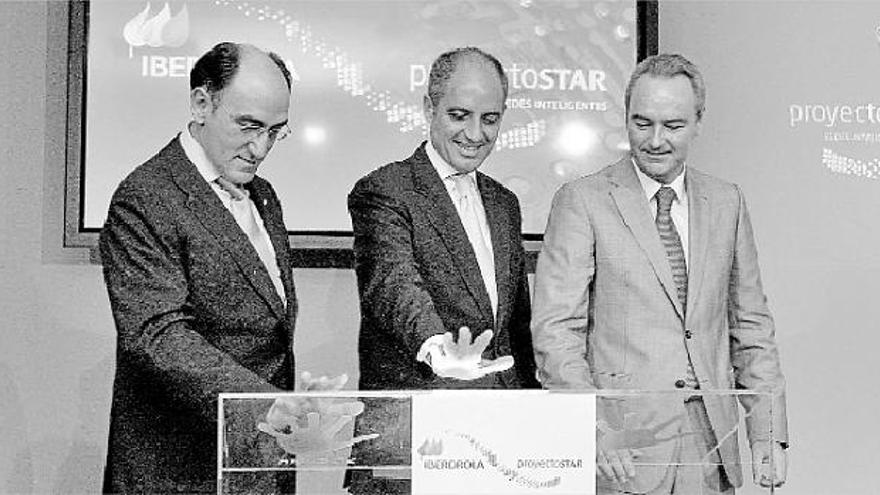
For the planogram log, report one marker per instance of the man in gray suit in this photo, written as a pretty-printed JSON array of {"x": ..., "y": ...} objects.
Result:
[
  {"x": 648, "y": 280},
  {"x": 197, "y": 267}
]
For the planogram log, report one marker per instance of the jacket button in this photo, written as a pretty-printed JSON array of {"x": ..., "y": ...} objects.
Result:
[
  {"x": 680, "y": 383},
  {"x": 688, "y": 334}
]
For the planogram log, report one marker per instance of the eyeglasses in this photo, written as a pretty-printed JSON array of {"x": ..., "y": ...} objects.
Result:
[{"x": 252, "y": 132}]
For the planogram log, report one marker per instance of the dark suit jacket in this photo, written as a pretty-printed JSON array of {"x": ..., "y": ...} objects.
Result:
[
  {"x": 418, "y": 276},
  {"x": 196, "y": 314},
  {"x": 607, "y": 315}
]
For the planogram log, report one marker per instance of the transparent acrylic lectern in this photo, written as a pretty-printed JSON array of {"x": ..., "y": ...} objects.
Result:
[{"x": 491, "y": 442}]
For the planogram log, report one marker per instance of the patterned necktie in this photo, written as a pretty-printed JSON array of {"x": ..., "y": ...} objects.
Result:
[
  {"x": 470, "y": 220},
  {"x": 672, "y": 243},
  {"x": 241, "y": 208}
]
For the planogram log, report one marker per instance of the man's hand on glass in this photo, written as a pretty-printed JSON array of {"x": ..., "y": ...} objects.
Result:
[
  {"x": 298, "y": 407},
  {"x": 769, "y": 464},
  {"x": 461, "y": 359},
  {"x": 308, "y": 383},
  {"x": 312, "y": 425},
  {"x": 318, "y": 434},
  {"x": 617, "y": 449}
]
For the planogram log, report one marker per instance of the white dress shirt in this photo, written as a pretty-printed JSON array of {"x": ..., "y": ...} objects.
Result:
[
  {"x": 446, "y": 171},
  {"x": 196, "y": 154}
]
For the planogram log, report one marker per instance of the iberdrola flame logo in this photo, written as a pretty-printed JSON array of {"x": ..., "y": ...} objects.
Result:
[
  {"x": 431, "y": 447},
  {"x": 162, "y": 29}
]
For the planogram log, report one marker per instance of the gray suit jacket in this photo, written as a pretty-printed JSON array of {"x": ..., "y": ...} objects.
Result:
[
  {"x": 196, "y": 314},
  {"x": 606, "y": 314}
]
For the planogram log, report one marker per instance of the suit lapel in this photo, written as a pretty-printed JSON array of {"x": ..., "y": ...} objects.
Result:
[
  {"x": 630, "y": 199},
  {"x": 434, "y": 201},
  {"x": 699, "y": 215},
  {"x": 208, "y": 209},
  {"x": 499, "y": 227},
  {"x": 272, "y": 221}
]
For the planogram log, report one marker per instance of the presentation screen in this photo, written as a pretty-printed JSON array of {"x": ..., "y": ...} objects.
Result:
[{"x": 360, "y": 71}]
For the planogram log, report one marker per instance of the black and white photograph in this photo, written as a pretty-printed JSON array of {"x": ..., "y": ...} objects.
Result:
[{"x": 476, "y": 247}]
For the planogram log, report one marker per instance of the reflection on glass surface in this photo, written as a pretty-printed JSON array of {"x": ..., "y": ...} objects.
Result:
[{"x": 363, "y": 442}]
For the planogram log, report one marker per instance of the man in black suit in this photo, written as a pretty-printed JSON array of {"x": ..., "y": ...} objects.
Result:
[
  {"x": 197, "y": 266},
  {"x": 438, "y": 247},
  {"x": 438, "y": 252}
]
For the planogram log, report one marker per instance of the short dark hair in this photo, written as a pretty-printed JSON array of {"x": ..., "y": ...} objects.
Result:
[
  {"x": 670, "y": 65},
  {"x": 444, "y": 66},
  {"x": 216, "y": 68}
]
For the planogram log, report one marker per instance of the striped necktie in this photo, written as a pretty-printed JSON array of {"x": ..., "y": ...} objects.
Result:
[{"x": 672, "y": 243}]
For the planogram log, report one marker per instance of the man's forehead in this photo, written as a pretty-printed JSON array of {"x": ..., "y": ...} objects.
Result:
[
  {"x": 473, "y": 90},
  {"x": 470, "y": 71},
  {"x": 269, "y": 112}
]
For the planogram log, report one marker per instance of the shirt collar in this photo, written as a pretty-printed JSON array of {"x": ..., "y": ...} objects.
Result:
[
  {"x": 651, "y": 186},
  {"x": 196, "y": 154},
  {"x": 442, "y": 166}
]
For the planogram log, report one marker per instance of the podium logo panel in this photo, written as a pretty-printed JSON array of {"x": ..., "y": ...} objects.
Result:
[{"x": 508, "y": 442}]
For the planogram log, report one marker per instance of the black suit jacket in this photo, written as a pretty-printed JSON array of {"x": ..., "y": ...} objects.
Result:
[
  {"x": 196, "y": 314},
  {"x": 418, "y": 276}
]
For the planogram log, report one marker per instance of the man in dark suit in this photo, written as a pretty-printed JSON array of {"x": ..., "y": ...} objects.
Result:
[
  {"x": 438, "y": 249},
  {"x": 426, "y": 265},
  {"x": 197, "y": 266},
  {"x": 648, "y": 281}
]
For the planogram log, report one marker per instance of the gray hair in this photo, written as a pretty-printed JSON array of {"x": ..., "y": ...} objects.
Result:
[{"x": 670, "y": 65}]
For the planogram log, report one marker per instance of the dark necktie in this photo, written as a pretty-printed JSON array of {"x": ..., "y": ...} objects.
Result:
[{"x": 672, "y": 243}]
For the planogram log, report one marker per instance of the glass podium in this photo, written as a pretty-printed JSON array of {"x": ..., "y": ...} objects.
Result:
[{"x": 489, "y": 442}]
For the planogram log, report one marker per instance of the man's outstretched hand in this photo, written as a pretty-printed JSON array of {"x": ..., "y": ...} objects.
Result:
[
  {"x": 313, "y": 425},
  {"x": 462, "y": 359},
  {"x": 309, "y": 383},
  {"x": 317, "y": 435}
]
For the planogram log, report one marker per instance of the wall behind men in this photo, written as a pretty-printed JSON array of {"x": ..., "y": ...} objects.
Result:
[
  {"x": 55, "y": 338},
  {"x": 813, "y": 197},
  {"x": 815, "y": 230}
]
